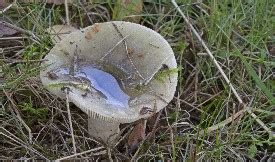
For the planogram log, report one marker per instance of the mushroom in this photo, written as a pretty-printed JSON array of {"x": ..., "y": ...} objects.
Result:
[{"x": 116, "y": 72}]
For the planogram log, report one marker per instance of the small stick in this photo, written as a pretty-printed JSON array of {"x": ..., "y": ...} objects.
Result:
[
  {"x": 86, "y": 12},
  {"x": 11, "y": 38},
  {"x": 20, "y": 30},
  {"x": 223, "y": 123},
  {"x": 127, "y": 51},
  {"x": 111, "y": 50},
  {"x": 82, "y": 137},
  {"x": 196, "y": 84},
  {"x": 70, "y": 119},
  {"x": 124, "y": 136},
  {"x": 153, "y": 92},
  {"x": 259, "y": 121},
  {"x": 109, "y": 154},
  {"x": 81, "y": 153},
  {"x": 74, "y": 62},
  {"x": 22, "y": 143},
  {"x": 147, "y": 80},
  {"x": 67, "y": 12},
  {"x": 6, "y": 9},
  {"x": 14, "y": 108},
  {"x": 31, "y": 149}
]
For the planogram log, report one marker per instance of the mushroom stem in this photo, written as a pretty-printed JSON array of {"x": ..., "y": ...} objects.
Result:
[{"x": 105, "y": 131}]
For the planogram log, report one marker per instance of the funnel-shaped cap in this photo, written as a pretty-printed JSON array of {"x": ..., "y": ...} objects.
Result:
[{"x": 111, "y": 71}]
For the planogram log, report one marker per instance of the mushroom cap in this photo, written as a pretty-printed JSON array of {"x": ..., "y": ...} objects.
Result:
[{"x": 148, "y": 54}]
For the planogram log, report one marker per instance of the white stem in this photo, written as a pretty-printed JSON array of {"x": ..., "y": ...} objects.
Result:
[{"x": 103, "y": 130}]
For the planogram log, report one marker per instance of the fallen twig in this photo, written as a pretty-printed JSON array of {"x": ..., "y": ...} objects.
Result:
[
  {"x": 70, "y": 119},
  {"x": 67, "y": 12},
  {"x": 14, "y": 108},
  {"x": 6, "y": 9},
  {"x": 109, "y": 154},
  {"x": 223, "y": 123},
  {"x": 20, "y": 30},
  {"x": 111, "y": 50},
  {"x": 81, "y": 153},
  {"x": 127, "y": 51},
  {"x": 19, "y": 141}
]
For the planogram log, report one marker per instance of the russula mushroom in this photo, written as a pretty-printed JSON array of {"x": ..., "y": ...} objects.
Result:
[{"x": 111, "y": 71}]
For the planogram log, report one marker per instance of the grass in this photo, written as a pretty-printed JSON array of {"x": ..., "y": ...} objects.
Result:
[{"x": 239, "y": 33}]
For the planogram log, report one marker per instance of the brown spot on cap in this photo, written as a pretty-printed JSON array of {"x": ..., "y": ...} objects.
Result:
[
  {"x": 51, "y": 75},
  {"x": 88, "y": 35},
  {"x": 141, "y": 56},
  {"x": 64, "y": 52},
  {"x": 95, "y": 28},
  {"x": 130, "y": 51}
]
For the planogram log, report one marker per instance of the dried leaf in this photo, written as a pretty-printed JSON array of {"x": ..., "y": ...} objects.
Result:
[
  {"x": 271, "y": 48},
  {"x": 125, "y": 8},
  {"x": 6, "y": 31},
  {"x": 136, "y": 136},
  {"x": 58, "y": 32}
]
